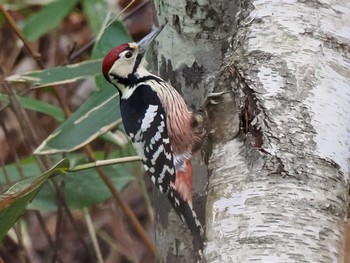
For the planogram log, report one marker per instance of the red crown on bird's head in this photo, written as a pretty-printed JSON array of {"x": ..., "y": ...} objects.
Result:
[{"x": 112, "y": 57}]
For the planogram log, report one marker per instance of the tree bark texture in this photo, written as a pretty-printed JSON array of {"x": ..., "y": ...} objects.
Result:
[
  {"x": 278, "y": 190},
  {"x": 280, "y": 140},
  {"x": 190, "y": 50}
]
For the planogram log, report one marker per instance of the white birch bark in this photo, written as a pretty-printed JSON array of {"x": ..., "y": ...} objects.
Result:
[
  {"x": 280, "y": 195},
  {"x": 278, "y": 186}
]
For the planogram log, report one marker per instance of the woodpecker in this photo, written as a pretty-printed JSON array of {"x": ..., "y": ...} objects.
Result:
[{"x": 163, "y": 131}]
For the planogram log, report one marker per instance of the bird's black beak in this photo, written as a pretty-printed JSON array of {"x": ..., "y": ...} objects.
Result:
[{"x": 145, "y": 42}]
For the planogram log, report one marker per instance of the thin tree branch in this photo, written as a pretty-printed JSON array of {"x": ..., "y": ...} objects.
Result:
[
  {"x": 57, "y": 233},
  {"x": 43, "y": 161},
  {"x": 23, "y": 255},
  {"x": 126, "y": 209},
  {"x": 92, "y": 234},
  {"x": 134, "y": 10},
  {"x": 87, "y": 148},
  {"x": 102, "y": 163},
  {"x": 74, "y": 55},
  {"x": 12, "y": 22}
]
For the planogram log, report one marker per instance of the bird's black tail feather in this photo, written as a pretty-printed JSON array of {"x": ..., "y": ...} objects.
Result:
[{"x": 187, "y": 214}]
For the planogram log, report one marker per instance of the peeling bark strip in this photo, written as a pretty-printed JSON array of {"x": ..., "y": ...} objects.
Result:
[{"x": 285, "y": 200}]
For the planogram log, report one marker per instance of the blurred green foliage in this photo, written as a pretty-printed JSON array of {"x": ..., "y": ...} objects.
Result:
[{"x": 99, "y": 113}]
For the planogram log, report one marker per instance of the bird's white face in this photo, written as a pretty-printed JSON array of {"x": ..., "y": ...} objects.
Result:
[
  {"x": 122, "y": 65},
  {"x": 125, "y": 63}
]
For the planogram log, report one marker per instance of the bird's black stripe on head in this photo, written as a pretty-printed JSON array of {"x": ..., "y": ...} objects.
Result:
[{"x": 138, "y": 60}]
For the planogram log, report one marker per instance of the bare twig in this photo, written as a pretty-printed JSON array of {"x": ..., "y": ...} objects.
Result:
[
  {"x": 134, "y": 10},
  {"x": 111, "y": 242},
  {"x": 43, "y": 161},
  {"x": 87, "y": 148},
  {"x": 81, "y": 50},
  {"x": 46, "y": 232},
  {"x": 107, "y": 22},
  {"x": 20, "y": 35},
  {"x": 56, "y": 245},
  {"x": 36, "y": 56},
  {"x": 74, "y": 55},
  {"x": 92, "y": 234},
  {"x": 21, "y": 173},
  {"x": 123, "y": 11},
  {"x": 126, "y": 209},
  {"x": 23, "y": 255},
  {"x": 101, "y": 163},
  {"x": 25, "y": 124},
  {"x": 7, "y": 178},
  {"x": 12, "y": 149}
]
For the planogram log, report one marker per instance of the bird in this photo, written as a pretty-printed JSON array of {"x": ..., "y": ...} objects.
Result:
[{"x": 164, "y": 132}]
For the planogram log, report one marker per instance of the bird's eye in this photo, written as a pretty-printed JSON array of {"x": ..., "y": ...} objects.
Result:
[{"x": 128, "y": 54}]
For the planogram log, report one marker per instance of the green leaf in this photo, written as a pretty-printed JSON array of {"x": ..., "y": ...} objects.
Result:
[
  {"x": 16, "y": 198},
  {"x": 96, "y": 116},
  {"x": 38, "y": 106},
  {"x": 16, "y": 171},
  {"x": 85, "y": 188},
  {"x": 96, "y": 11},
  {"x": 113, "y": 36},
  {"x": 47, "y": 18},
  {"x": 60, "y": 75}
]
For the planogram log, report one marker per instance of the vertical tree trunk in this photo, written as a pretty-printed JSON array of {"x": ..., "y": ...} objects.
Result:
[
  {"x": 279, "y": 192},
  {"x": 281, "y": 140},
  {"x": 190, "y": 51}
]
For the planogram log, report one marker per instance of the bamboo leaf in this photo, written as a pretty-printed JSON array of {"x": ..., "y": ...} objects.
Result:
[
  {"x": 96, "y": 11},
  {"x": 15, "y": 172},
  {"x": 82, "y": 188},
  {"x": 96, "y": 116},
  {"x": 16, "y": 198},
  {"x": 113, "y": 36},
  {"x": 85, "y": 188},
  {"x": 47, "y": 18},
  {"x": 59, "y": 75},
  {"x": 38, "y": 106}
]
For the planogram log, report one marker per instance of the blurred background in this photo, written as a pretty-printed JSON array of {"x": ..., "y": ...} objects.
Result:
[
  {"x": 73, "y": 217},
  {"x": 64, "y": 111}
]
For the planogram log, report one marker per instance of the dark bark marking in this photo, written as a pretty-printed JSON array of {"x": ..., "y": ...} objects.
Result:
[
  {"x": 249, "y": 110},
  {"x": 193, "y": 75},
  {"x": 176, "y": 23},
  {"x": 167, "y": 73},
  {"x": 191, "y": 8}
]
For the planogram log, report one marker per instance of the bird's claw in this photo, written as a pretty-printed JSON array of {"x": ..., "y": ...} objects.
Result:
[{"x": 213, "y": 98}]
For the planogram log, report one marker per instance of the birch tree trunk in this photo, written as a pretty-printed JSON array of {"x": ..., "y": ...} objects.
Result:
[{"x": 280, "y": 143}]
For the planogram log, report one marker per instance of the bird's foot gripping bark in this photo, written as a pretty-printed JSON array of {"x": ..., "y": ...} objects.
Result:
[
  {"x": 214, "y": 98},
  {"x": 200, "y": 120}
]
